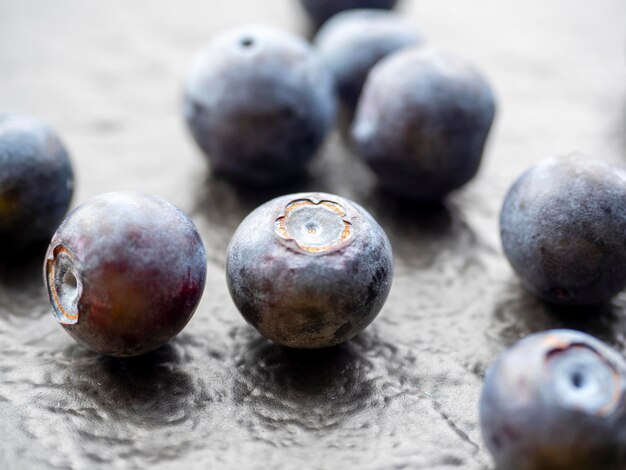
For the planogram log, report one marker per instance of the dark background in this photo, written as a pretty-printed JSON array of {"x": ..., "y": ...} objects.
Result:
[{"x": 108, "y": 77}]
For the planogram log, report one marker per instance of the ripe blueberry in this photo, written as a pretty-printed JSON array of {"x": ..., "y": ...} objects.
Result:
[
  {"x": 125, "y": 272},
  {"x": 352, "y": 42},
  {"x": 555, "y": 400},
  {"x": 322, "y": 10},
  {"x": 259, "y": 102},
  {"x": 36, "y": 180},
  {"x": 422, "y": 122},
  {"x": 309, "y": 270},
  {"x": 563, "y": 227}
]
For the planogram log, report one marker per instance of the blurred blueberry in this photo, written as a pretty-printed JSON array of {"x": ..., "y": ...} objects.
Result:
[
  {"x": 555, "y": 400},
  {"x": 125, "y": 272},
  {"x": 322, "y": 10},
  {"x": 563, "y": 227},
  {"x": 309, "y": 270},
  {"x": 259, "y": 102},
  {"x": 422, "y": 122},
  {"x": 36, "y": 180},
  {"x": 352, "y": 42}
]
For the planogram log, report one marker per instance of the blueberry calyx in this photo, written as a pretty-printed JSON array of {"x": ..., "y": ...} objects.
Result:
[
  {"x": 315, "y": 226},
  {"x": 584, "y": 380},
  {"x": 246, "y": 42},
  {"x": 64, "y": 285}
]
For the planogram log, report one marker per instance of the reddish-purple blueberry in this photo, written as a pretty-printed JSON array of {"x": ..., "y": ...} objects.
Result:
[{"x": 125, "y": 272}]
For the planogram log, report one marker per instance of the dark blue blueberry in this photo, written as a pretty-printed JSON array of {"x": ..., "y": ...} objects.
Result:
[
  {"x": 259, "y": 102},
  {"x": 36, "y": 180},
  {"x": 125, "y": 272},
  {"x": 352, "y": 42},
  {"x": 555, "y": 400},
  {"x": 563, "y": 226},
  {"x": 309, "y": 270},
  {"x": 422, "y": 122},
  {"x": 322, "y": 10}
]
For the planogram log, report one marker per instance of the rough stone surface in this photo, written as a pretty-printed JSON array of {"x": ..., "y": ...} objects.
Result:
[{"x": 108, "y": 76}]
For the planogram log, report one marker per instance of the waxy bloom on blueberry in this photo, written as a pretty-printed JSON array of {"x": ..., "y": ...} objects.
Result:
[
  {"x": 556, "y": 400},
  {"x": 36, "y": 180},
  {"x": 125, "y": 272},
  {"x": 352, "y": 42},
  {"x": 322, "y": 10},
  {"x": 563, "y": 227},
  {"x": 423, "y": 121},
  {"x": 309, "y": 270},
  {"x": 259, "y": 102}
]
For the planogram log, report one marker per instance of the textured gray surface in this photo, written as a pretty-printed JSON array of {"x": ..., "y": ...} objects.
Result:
[{"x": 108, "y": 77}]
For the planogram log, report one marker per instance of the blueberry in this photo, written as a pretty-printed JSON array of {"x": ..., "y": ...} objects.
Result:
[
  {"x": 125, "y": 272},
  {"x": 322, "y": 10},
  {"x": 563, "y": 227},
  {"x": 309, "y": 270},
  {"x": 422, "y": 122},
  {"x": 352, "y": 42},
  {"x": 259, "y": 102},
  {"x": 36, "y": 180},
  {"x": 555, "y": 400}
]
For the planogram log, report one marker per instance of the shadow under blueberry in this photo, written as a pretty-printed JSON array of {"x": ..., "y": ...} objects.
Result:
[
  {"x": 521, "y": 313},
  {"x": 149, "y": 390},
  {"x": 224, "y": 202},
  {"x": 315, "y": 389},
  {"x": 22, "y": 290},
  {"x": 419, "y": 232},
  {"x": 345, "y": 118},
  {"x": 23, "y": 267},
  {"x": 310, "y": 29}
]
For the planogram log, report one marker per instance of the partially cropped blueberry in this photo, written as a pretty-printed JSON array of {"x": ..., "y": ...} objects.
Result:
[
  {"x": 36, "y": 180},
  {"x": 563, "y": 227},
  {"x": 352, "y": 42},
  {"x": 259, "y": 102},
  {"x": 423, "y": 121},
  {"x": 556, "y": 400},
  {"x": 125, "y": 272},
  {"x": 309, "y": 270},
  {"x": 322, "y": 10}
]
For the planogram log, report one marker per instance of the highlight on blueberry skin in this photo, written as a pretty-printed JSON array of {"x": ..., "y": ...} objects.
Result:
[
  {"x": 259, "y": 102},
  {"x": 321, "y": 10},
  {"x": 125, "y": 272},
  {"x": 422, "y": 122},
  {"x": 563, "y": 228},
  {"x": 353, "y": 41},
  {"x": 309, "y": 270},
  {"x": 36, "y": 180},
  {"x": 555, "y": 400}
]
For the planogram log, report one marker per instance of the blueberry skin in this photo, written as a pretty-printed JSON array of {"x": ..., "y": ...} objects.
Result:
[
  {"x": 309, "y": 270},
  {"x": 422, "y": 122},
  {"x": 322, "y": 10},
  {"x": 556, "y": 400},
  {"x": 125, "y": 272},
  {"x": 36, "y": 180},
  {"x": 563, "y": 228},
  {"x": 352, "y": 42},
  {"x": 259, "y": 102}
]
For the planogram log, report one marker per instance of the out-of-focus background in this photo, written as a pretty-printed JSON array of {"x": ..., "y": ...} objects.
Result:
[{"x": 108, "y": 77}]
